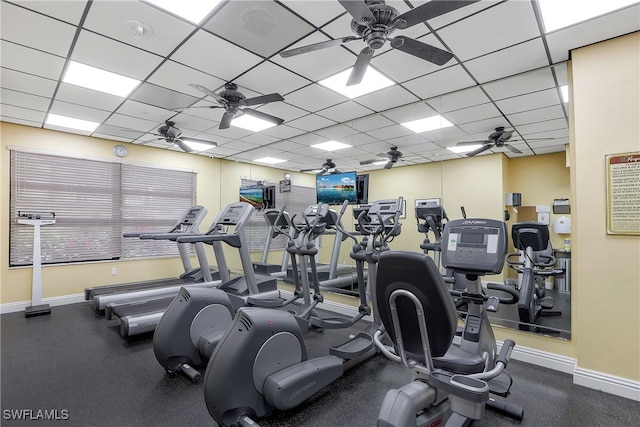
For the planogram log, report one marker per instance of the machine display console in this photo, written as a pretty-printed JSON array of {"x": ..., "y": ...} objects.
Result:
[
  {"x": 234, "y": 214},
  {"x": 474, "y": 245},
  {"x": 430, "y": 207}
]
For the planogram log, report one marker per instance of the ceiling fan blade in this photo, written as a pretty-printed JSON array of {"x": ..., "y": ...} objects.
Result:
[
  {"x": 479, "y": 150},
  {"x": 184, "y": 147},
  {"x": 264, "y": 99},
  {"x": 421, "y": 50},
  {"x": 472, "y": 142},
  {"x": 360, "y": 68},
  {"x": 513, "y": 149},
  {"x": 389, "y": 164},
  {"x": 208, "y": 92},
  {"x": 226, "y": 120},
  {"x": 427, "y": 11},
  {"x": 181, "y": 109},
  {"x": 505, "y": 136},
  {"x": 359, "y": 10},
  {"x": 368, "y": 162},
  {"x": 317, "y": 46},
  {"x": 263, "y": 116}
]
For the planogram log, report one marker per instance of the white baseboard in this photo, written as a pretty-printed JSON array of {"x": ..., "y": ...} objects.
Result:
[
  {"x": 611, "y": 384},
  {"x": 13, "y": 307},
  {"x": 608, "y": 383}
]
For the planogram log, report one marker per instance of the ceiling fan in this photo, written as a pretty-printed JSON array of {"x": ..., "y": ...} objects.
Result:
[
  {"x": 392, "y": 157},
  {"x": 374, "y": 21},
  {"x": 231, "y": 100},
  {"x": 498, "y": 139},
  {"x": 171, "y": 134},
  {"x": 327, "y": 168}
]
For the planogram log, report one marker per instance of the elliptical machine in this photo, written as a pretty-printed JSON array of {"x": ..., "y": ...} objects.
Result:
[
  {"x": 451, "y": 384},
  {"x": 261, "y": 364},
  {"x": 537, "y": 263}
]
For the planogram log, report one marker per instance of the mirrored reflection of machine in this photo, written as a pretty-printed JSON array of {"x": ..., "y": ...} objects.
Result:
[{"x": 36, "y": 219}]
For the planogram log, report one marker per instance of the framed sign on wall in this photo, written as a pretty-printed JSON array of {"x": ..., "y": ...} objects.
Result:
[{"x": 623, "y": 193}]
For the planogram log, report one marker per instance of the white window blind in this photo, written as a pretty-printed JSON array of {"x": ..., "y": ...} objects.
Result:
[{"x": 94, "y": 203}]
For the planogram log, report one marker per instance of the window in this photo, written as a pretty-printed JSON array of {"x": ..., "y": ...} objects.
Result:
[{"x": 94, "y": 203}]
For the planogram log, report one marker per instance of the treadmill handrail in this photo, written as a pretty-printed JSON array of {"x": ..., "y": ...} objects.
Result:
[{"x": 230, "y": 239}]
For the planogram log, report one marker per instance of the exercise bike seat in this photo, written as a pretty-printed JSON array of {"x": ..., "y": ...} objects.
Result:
[{"x": 460, "y": 361}]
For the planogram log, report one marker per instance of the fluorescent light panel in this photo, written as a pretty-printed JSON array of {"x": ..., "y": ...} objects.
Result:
[
  {"x": 331, "y": 145},
  {"x": 191, "y": 10},
  {"x": 197, "y": 146},
  {"x": 371, "y": 82},
  {"x": 269, "y": 160},
  {"x": 427, "y": 124},
  {"x": 564, "y": 90},
  {"x": 558, "y": 14},
  {"x": 463, "y": 148},
  {"x": 101, "y": 80},
  {"x": 71, "y": 123},
  {"x": 251, "y": 123}
]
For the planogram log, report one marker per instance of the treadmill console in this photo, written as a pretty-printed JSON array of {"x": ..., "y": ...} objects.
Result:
[
  {"x": 234, "y": 214},
  {"x": 474, "y": 245},
  {"x": 190, "y": 220}
]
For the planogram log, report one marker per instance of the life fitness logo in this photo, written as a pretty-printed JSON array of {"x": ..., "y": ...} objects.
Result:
[{"x": 474, "y": 222}]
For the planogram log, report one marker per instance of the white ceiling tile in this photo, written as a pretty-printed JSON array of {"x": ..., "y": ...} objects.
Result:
[
  {"x": 390, "y": 132},
  {"x": 529, "y": 101},
  {"x": 338, "y": 132},
  {"x": 175, "y": 76},
  {"x": 215, "y": 56},
  {"x": 283, "y": 110},
  {"x": 259, "y": 26},
  {"x": 38, "y": 33},
  {"x": 24, "y": 100},
  {"x": 513, "y": 60},
  {"x": 460, "y": 13},
  {"x": 145, "y": 111},
  {"x": 13, "y": 112},
  {"x": 538, "y": 144},
  {"x": 548, "y": 150},
  {"x": 407, "y": 113},
  {"x": 114, "y": 19},
  {"x": 532, "y": 81},
  {"x": 90, "y": 98},
  {"x": 375, "y": 121},
  {"x": 623, "y": 21},
  {"x": 31, "y": 61},
  {"x": 314, "y": 97},
  {"x": 269, "y": 78},
  {"x": 239, "y": 145},
  {"x": 561, "y": 73},
  {"x": 472, "y": 114},
  {"x": 162, "y": 97},
  {"x": 223, "y": 152},
  {"x": 101, "y": 52},
  {"x": 544, "y": 126},
  {"x": 283, "y": 131},
  {"x": 232, "y": 133},
  {"x": 78, "y": 111},
  {"x": 311, "y": 123},
  {"x": 128, "y": 122},
  {"x": 27, "y": 83},
  {"x": 386, "y": 98},
  {"x": 318, "y": 12},
  {"x": 538, "y": 115},
  {"x": 348, "y": 110},
  {"x": 440, "y": 82},
  {"x": 259, "y": 139},
  {"x": 492, "y": 29},
  {"x": 483, "y": 127},
  {"x": 457, "y": 100},
  {"x": 319, "y": 64}
]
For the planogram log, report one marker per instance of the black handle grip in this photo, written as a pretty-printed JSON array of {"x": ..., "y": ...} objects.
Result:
[
  {"x": 515, "y": 295},
  {"x": 509, "y": 409},
  {"x": 505, "y": 351}
]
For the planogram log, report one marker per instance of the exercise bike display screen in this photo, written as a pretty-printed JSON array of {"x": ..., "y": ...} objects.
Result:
[{"x": 474, "y": 245}]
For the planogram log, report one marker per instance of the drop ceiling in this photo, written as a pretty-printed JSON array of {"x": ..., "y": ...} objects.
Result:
[{"x": 505, "y": 72}]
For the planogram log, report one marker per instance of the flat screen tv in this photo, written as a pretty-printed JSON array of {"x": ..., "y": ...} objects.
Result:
[
  {"x": 252, "y": 194},
  {"x": 335, "y": 189}
]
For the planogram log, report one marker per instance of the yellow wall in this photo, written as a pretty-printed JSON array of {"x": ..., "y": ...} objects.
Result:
[{"x": 606, "y": 112}]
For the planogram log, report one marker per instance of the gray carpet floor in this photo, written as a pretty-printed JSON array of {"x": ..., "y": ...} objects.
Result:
[{"x": 76, "y": 363}]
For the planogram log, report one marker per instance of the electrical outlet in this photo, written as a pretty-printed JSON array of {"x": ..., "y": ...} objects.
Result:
[{"x": 114, "y": 271}]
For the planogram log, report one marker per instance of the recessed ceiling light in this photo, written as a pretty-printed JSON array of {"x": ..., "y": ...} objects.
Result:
[
  {"x": 71, "y": 123},
  {"x": 371, "y": 82},
  {"x": 559, "y": 14},
  {"x": 427, "y": 124},
  {"x": 101, "y": 80},
  {"x": 463, "y": 148},
  {"x": 251, "y": 123},
  {"x": 194, "y": 10},
  {"x": 564, "y": 91},
  {"x": 331, "y": 146},
  {"x": 197, "y": 146},
  {"x": 269, "y": 160}
]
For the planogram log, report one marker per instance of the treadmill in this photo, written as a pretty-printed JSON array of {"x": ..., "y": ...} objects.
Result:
[
  {"x": 137, "y": 317},
  {"x": 188, "y": 223}
]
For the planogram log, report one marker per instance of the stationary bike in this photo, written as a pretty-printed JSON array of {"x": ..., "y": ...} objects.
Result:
[
  {"x": 452, "y": 384},
  {"x": 537, "y": 263},
  {"x": 261, "y": 364}
]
